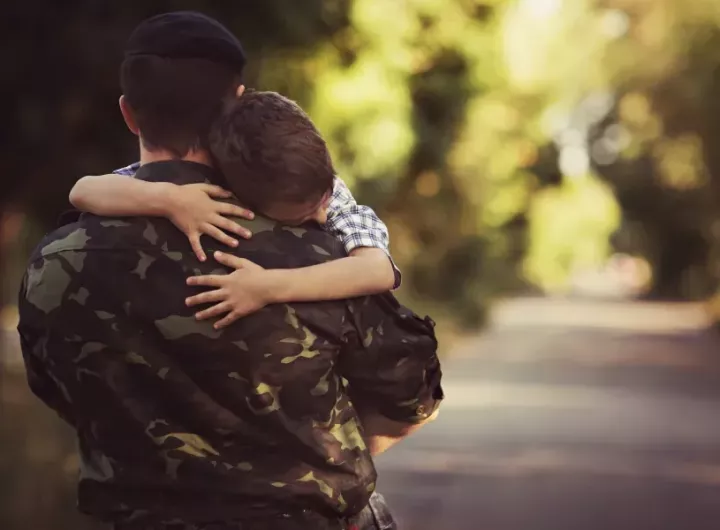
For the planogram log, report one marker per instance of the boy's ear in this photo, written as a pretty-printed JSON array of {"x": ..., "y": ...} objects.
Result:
[{"x": 129, "y": 116}]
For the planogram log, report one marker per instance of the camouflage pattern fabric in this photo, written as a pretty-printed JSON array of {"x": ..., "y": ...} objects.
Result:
[
  {"x": 375, "y": 516},
  {"x": 179, "y": 421}
]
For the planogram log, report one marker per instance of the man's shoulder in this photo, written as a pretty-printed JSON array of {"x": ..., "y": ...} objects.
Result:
[
  {"x": 116, "y": 257},
  {"x": 92, "y": 232},
  {"x": 384, "y": 315},
  {"x": 283, "y": 246}
]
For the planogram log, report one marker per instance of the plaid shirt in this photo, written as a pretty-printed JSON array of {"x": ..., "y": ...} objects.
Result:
[{"x": 354, "y": 224}]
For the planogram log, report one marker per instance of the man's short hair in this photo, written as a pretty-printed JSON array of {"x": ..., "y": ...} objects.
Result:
[
  {"x": 270, "y": 152},
  {"x": 178, "y": 68},
  {"x": 175, "y": 101}
]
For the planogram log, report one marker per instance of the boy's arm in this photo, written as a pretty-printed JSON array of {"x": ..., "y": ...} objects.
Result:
[
  {"x": 368, "y": 269},
  {"x": 360, "y": 229},
  {"x": 117, "y": 195},
  {"x": 250, "y": 287},
  {"x": 365, "y": 271},
  {"x": 195, "y": 209}
]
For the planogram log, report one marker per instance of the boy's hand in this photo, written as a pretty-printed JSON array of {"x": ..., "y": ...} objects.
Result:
[
  {"x": 193, "y": 209},
  {"x": 238, "y": 294}
]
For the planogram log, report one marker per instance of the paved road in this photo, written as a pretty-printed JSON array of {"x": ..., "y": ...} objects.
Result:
[
  {"x": 563, "y": 416},
  {"x": 570, "y": 415}
]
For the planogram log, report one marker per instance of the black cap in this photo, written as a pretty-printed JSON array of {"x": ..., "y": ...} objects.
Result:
[{"x": 186, "y": 35}]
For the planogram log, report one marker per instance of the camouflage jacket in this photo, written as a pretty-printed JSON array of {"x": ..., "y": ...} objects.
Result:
[{"x": 176, "y": 419}]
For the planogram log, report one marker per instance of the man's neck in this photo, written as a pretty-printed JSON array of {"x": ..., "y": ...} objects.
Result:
[{"x": 159, "y": 155}]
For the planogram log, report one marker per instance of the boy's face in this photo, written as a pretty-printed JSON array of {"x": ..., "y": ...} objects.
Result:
[{"x": 297, "y": 214}]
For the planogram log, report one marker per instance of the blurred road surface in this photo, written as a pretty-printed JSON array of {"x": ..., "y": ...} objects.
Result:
[
  {"x": 562, "y": 416},
  {"x": 570, "y": 416}
]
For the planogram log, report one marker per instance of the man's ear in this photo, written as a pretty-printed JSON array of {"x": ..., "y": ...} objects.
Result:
[{"x": 129, "y": 116}]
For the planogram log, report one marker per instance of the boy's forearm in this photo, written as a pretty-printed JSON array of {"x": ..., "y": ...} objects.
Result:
[
  {"x": 117, "y": 195},
  {"x": 366, "y": 271}
]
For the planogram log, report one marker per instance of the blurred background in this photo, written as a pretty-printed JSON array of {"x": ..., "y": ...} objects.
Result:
[{"x": 550, "y": 174}]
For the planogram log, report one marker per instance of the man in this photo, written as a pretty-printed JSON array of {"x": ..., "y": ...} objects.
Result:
[{"x": 181, "y": 424}]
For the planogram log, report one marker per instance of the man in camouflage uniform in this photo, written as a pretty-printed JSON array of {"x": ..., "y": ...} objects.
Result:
[{"x": 267, "y": 424}]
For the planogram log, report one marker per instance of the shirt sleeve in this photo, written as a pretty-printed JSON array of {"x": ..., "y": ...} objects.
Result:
[
  {"x": 390, "y": 360},
  {"x": 357, "y": 226}
]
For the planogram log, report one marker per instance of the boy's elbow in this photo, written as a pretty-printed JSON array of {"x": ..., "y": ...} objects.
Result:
[
  {"x": 77, "y": 195},
  {"x": 80, "y": 195},
  {"x": 378, "y": 260},
  {"x": 388, "y": 267},
  {"x": 385, "y": 264},
  {"x": 388, "y": 279}
]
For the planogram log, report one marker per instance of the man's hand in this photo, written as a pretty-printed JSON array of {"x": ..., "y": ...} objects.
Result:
[
  {"x": 239, "y": 293},
  {"x": 381, "y": 433},
  {"x": 193, "y": 209}
]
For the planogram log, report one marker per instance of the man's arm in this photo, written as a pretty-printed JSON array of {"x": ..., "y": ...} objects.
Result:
[
  {"x": 39, "y": 365},
  {"x": 381, "y": 433},
  {"x": 46, "y": 388},
  {"x": 393, "y": 370}
]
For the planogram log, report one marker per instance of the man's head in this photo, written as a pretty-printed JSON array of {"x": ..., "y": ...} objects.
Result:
[
  {"x": 273, "y": 156},
  {"x": 178, "y": 68}
]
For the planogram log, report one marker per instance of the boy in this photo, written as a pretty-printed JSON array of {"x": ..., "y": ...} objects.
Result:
[{"x": 368, "y": 269}]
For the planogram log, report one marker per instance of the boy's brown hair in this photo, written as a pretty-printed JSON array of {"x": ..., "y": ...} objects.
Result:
[{"x": 271, "y": 152}]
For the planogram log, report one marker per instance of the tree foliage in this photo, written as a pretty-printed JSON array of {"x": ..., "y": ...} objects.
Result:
[{"x": 506, "y": 143}]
